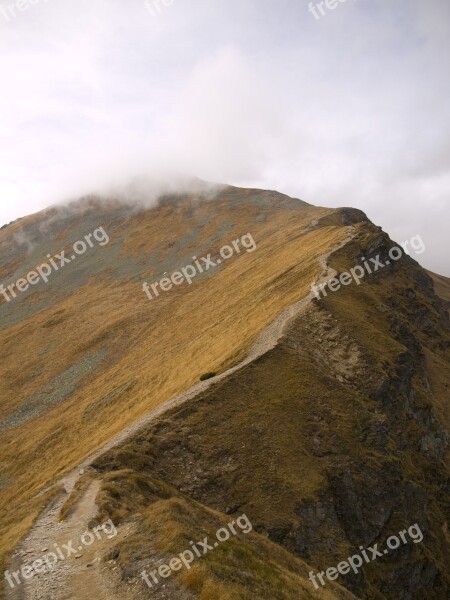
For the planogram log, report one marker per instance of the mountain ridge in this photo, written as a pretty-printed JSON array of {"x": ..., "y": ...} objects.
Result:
[{"x": 409, "y": 330}]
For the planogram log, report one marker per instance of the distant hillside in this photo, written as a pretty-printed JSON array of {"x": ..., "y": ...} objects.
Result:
[{"x": 441, "y": 286}]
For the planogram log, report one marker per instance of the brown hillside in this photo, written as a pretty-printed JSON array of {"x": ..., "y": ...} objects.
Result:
[
  {"x": 87, "y": 354},
  {"x": 333, "y": 438}
]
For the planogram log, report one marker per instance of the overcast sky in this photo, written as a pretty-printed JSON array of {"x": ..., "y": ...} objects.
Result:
[{"x": 350, "y": 109}]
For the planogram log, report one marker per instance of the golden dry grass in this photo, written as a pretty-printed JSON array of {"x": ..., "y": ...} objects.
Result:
[
  {"x": 263, "y": 416},
  {"x": 162, "y": 346},
  {"x": 278, "y": 438},
  {"x": 245, "y": 567}
]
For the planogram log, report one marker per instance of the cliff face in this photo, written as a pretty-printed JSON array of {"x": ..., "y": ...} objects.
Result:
[{"x": 333, "y": 435}]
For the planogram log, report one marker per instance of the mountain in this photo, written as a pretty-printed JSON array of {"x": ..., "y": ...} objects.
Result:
[{"x": 231, "y": 388}]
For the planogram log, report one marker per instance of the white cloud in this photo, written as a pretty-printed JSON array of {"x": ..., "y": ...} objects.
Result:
[{"x": 348, "y": 110}]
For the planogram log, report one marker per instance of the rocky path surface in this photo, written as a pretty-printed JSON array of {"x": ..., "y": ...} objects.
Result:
[
  {"x": 84, "y": 575},
  {"x": 69, "y": 556}
]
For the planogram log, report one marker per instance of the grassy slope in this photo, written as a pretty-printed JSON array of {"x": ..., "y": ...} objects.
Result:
[
  {"x": 441, "y": 286},
  {"x": 246, "y": 567},
  {"x": 132, "y": 354},
  {"x": 326, "y": 442}
]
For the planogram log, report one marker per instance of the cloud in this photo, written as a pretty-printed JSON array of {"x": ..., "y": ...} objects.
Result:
[{"x": 348, "y": 110}]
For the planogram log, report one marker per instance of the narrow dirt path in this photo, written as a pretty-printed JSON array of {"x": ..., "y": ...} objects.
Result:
[
  {"x": 78, "y": 572},
  {"x": 83, "y": 575}
]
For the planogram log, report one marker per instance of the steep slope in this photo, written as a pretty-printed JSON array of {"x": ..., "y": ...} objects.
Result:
[
  {"x": 335, "y": 439},
  {"x": 87, "y": 353},
  {"x": 332, "y": 437},
  {"x": 441, "y": 287},
  {"x": 288, "y": 575}
]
